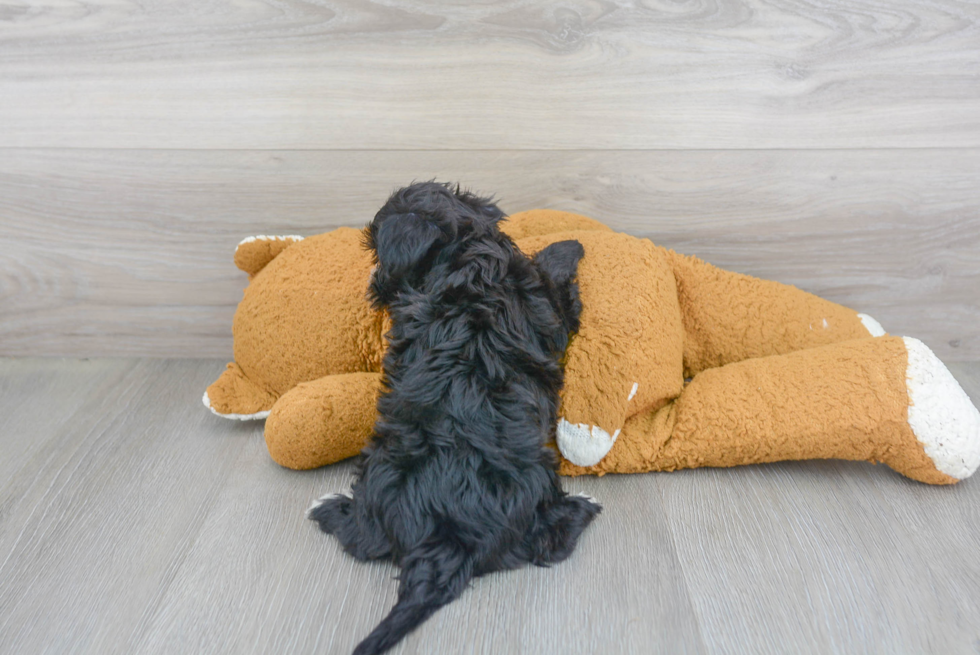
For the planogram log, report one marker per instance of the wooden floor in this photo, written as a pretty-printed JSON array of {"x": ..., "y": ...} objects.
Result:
[
  {"x": 831, "y": 145},
  {"x": 134, "y": 521},
  {"x": 129, "y": 253}
]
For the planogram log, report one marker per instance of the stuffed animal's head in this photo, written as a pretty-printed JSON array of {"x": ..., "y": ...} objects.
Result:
[{"x": 305, "y": 314}]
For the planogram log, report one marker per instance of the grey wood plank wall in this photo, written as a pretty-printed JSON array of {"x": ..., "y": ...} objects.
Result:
[{"x": 832, "y": 146}]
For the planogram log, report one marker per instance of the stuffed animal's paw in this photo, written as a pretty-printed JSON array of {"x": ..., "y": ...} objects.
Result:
[
  {"x": 584, "y": 445},
  {"x": 941, "y": 415},
  {"x": 234, "y": 396}
]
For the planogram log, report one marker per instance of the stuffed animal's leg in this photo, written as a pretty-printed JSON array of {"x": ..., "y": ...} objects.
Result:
[
  {"x": 729, "y": 317},
  {"x": 324, "y": 421},
  {"x": 887, "y": 400}
]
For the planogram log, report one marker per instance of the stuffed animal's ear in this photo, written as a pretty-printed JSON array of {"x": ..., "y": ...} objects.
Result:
[
  {"x": 253, "y": 253},
  {"x": 559, "y": 263}
]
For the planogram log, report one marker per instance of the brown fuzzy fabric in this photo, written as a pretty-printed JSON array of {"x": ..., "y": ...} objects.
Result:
[
  {"x": 777, "y": 373},
  {"x": 841, "y": 401},
  {"x": 311, "y": 298},
  {"x": 729, "y": 317},
  {"x": 345, "y": 403},
  {"x": 631, "y": 330}
]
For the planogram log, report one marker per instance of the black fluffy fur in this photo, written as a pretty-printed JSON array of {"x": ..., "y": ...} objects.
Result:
[{"x": 457, "y": 481}]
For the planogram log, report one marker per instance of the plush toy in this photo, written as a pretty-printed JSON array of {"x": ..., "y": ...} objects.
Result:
[{"x": 677, "y": 364}]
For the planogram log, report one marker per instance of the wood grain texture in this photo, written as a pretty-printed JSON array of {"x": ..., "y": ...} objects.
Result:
[
  {"x": 835, "y": 146},
  {"x": 508, "y": 75},
  {"x": 310, "y": 597},
  {"x": 832, "y": 543},
  {"x": 150, "y": 526},
  {"x": 825, "y": 538},
  {"x": 96, "y": 523},
  {"x": 130, "y": 252},
  {"x": 140, "y": 523}
]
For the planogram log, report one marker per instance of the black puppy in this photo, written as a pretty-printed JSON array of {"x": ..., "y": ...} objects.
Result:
[{"x": 457, "y": 481}]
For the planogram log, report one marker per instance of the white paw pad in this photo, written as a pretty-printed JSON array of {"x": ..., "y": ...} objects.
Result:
[
  {"x": 941, "y": 415},
  {"x": 587, "y": 497},
  {"x": 584, "y": 445},
  {"x": 319, "y": 501}
]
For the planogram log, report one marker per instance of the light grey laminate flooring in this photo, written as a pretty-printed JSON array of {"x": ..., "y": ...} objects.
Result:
[{"x": 134, "y": 521}]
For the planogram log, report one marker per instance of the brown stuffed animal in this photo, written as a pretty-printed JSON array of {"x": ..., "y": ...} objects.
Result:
[{"x": 677, "y": 364}]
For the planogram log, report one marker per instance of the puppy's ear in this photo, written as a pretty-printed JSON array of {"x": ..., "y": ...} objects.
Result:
[
  {"x": 401, "y": 243},
  {"x": 559, "y": 263},
  {"x": 486, "y": 208}
]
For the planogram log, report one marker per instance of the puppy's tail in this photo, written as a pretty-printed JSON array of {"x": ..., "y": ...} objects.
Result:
[{"x": 432, "y": 576}]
